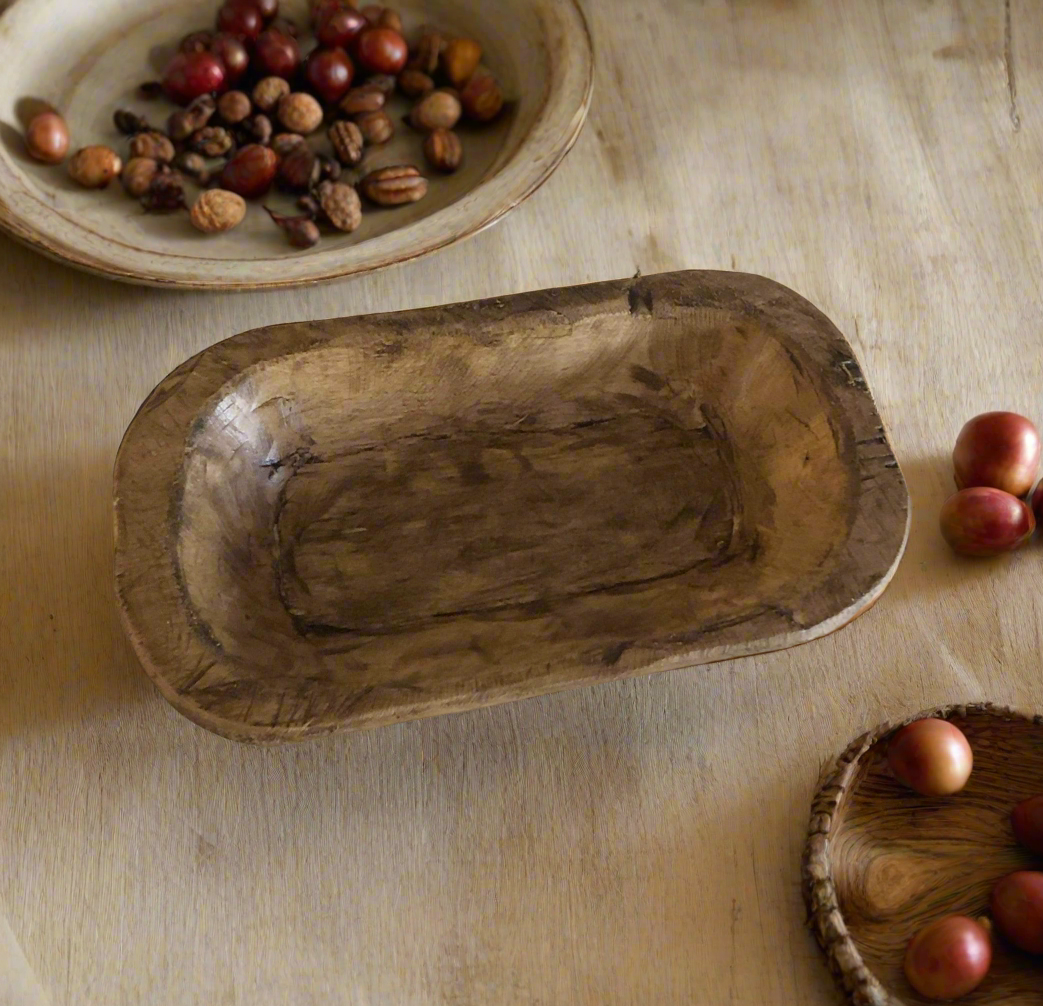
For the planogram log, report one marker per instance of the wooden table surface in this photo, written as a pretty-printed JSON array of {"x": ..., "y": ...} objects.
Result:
[{"x": 633, "y": 843}]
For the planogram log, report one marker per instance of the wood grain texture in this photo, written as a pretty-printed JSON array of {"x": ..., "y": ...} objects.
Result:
[
  {"x": 882, "y": 862},
  {"x": 374, "y": 519},
  {"x": 635, "y": 842},
  {"x": 542, "y": 55}
]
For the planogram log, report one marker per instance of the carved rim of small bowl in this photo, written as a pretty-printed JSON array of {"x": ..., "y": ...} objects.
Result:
[
  {"x": 553, "y": 133},
  {"x": 825, "y": 918}
]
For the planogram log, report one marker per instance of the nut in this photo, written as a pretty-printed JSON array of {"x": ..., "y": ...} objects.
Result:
[
  {"x": 443, "y": 150},
  {"x": 301, "y": 231},
  {"x": 460, "y": 60},
  {"x": 257, "y": 129},
  {"x": 329, "y": 168},
  {"x": 482, "y": 98},
  {"x": 300, "y": 113},
  {"x": 390, "y": 18},
  {"x": 299, "y": 170},
  {"x": 439, "y": 110},
  {"x": 165, "y": 194},
  {"x": 152, "y": 144},
  {"x": 384, "y": 82},
  {"x": 340, "y": 205},
  {"x": 94, "y": 167},
  {"x": 375, "y": 127},
  {"x": 283, "y": 143},
  {"x": 428, "y": 51},
  {"x": 234, "y": 106},
  {"x": 363, "y": 99},
  {"x": 394, "y": 186},
  {"x": 129, "y": 122},
  {"x": 193, "y": 165},
  {"x": 213, "y": 141},
  {"x": 415, "y": 83},
  {"x": 182, "y": 124},
  {"x": 269, "y": 92},
  {"x": 138, "y": 174},
  {"x": 347, "y": 142},
  {"x": 217, "y": 211}
]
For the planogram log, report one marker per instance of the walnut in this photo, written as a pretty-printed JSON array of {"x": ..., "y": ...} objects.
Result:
[
  {"x": 340, "y": 205},
  {"x": 217, "y": 211},
  {"x": 214, "y": 141},
  {"x": 346, "y": 140},
  {"x": 269, "y": 92},
  {"x": 152, "y": 144},
  {"x": 300, "y": 113},
  {"x": 94, "y": 167}
]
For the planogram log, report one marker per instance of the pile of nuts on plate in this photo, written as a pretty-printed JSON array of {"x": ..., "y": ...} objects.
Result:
[
  {"x": 251, "y": 102},
  {"x": 951, "y": 957},
  {"x": 996, "y": 464}
]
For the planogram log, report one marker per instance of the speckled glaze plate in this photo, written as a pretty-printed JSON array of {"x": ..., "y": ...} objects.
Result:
[{"x": 540, "y": 49}]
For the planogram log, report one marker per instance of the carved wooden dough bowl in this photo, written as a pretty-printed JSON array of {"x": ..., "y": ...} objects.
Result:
[
  {"x": 881, "y": 862},
  {"x": 87, "y": 59},
  {"x": 366, "y": 520}
]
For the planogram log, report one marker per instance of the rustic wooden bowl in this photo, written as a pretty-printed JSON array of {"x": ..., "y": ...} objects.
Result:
[
  {"x": 367, "y": 520},
  {"x": 881, "y": 862},
  {"x": 88, "y": 58}
]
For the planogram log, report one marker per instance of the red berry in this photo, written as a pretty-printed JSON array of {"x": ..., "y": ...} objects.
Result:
[
  {"x": 338, "y": 26},
  {"x": 329, "y": 73},
  {"x": 190, "y": 74},
  {"x": 276, "y": 54},
  {"x": 240, "y": 18},
  {"x": 250, "y": 172},
  {"x": 382, "y": 50},
  {"x": 232, "y": 52}
]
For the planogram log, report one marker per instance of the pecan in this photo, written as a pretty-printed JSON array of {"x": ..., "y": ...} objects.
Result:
[
  {"x": 366, "y": 98},
  {"x": 443, "y": 150},
  {"x": 346, "y": 140},
  {"x": 394, "y": 186},
  {"x": 428, "y": 51},
  {"x": 415, "y": 83},
  {"x": 376, "y": 127}
]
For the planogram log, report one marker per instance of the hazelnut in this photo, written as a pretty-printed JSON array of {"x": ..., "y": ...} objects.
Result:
[
  {"x": 152, "y": 144},
  {"x": 283, "y": 143},
  {"x": 299, "y": 170},
  {"x": 47, "y": 138},
  {"x": 138, "y": 175},
  {"x": 363, "y": 99},
  {"x": 376, "y": 127},
  {"x": 300, "y": 113},
  {"x": 269, "y": 92},
  {"x": 213, "y": 141},
  {"x": 415, "y": 83},
  {"x": 347, "y": 142},
  {"x": 438, "y": 110},
  {"x": 340, "y": 205},
  {"x": 94, "y": 167},
  {"x": 482, "y": 98},
  {"x": 217, "y": 211},
  {"x": 460, "y": 59},
  {"x": 443, "y": 150},
  {"x": 234, "y": 106}
]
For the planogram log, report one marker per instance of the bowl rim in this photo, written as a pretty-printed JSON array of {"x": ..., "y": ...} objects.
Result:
[
  {"x": 556, "y": 126},
  {"x": 824, "y": 917}
]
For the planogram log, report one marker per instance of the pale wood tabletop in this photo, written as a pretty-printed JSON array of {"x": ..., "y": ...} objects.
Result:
[{"x": 635, "y": 842}]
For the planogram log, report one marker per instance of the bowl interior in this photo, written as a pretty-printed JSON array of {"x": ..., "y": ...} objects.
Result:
[
  {"x": 108, "y": 48},
  {"x": 900, "y": 860}
]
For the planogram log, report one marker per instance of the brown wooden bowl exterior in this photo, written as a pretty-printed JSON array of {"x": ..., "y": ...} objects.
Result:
[{"x": 881, "y": 861}]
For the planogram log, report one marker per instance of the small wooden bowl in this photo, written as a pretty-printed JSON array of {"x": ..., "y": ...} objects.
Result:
[
  {"x": 881, "y": 862},
  {"x": 87, "y": 60}
]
